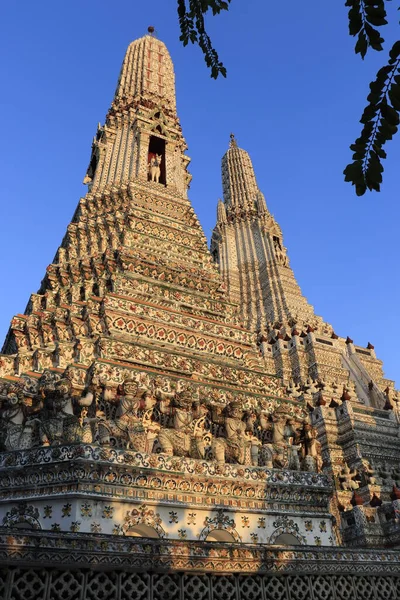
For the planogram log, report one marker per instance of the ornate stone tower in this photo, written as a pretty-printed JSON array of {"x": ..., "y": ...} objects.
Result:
[
  {"x": 248, "y": 245},
  {"x": 296, "y": 344},
  {"x": 142, "y": 127},
  {"x": 144, "y": 450},
  {"x": 342, "y": 383}
]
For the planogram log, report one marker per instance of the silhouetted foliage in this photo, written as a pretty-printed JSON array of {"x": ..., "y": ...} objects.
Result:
[
  {"x": 191, "y": 21},
  {"x": 381, "y": 116}
]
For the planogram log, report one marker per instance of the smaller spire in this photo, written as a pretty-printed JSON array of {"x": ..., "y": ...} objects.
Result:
[
  {"x": 261, "y": 204},
  {"x": 221, "y": 212},
  {"x": 238, "y": 179}
]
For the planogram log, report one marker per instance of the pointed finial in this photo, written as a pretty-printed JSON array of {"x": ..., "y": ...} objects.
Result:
[{"x": 232, "y": 143}]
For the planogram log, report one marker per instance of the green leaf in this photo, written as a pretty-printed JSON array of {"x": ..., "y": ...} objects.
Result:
[
  {"x": 373, "y": 185},
  {"x": 377, "y": 3},
  {"x": 353, "y": 172},
  {"x": 361, "y": 188},
  {"x": 395, "y": 50},
  {"x": 383, "y": 73},
  {"x": 369, "y": 113},
  {"x": 387, "y": 130},
  {"x": 375, "y": 11},
  {"x": 374, "y": 37},
  {"x": 390, "y": 114},
  {"x": 394, "y": 96},
  {"x": 355, "y": 21},
  {"x": 192, "y": 28},
  {"x": 361, "y": 46},
  {"x": 380, "y": 152},
  {"x": 377, "y": 21}
]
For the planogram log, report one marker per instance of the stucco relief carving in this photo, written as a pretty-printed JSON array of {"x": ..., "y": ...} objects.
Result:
[
  {"x": 347, "y": 479},
  {"x": 154, "y": 415},
  {"x": 280, "y": 252}
]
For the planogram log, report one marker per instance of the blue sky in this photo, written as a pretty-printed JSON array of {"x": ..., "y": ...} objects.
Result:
[{"x": 293, "y": 97}]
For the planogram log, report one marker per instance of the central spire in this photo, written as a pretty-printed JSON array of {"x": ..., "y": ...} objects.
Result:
[
  {"x": 141, "y": 139},
  {"x": 147, "y": 70}
]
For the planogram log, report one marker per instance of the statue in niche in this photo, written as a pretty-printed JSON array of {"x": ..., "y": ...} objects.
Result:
[
  {"x": 48, "y": 420},
  {"x": 280, "y": 252},
  {"x": 155, "y": 167},
  {"x": 185, "y": 432},
  {"x": 57, "y": 421},
  {"x": 17, "y": 431},
  {"x": 385, "y": 472},
  {"x": 129, "y": 405},
  {"x": 96, "y": 426},
  {"x": 151, "y": 427},
  {"x": 238, "y": 444},
  {"x": 133, "y": 426},
  {"x": 369, "y": 474},
  {"x": 283, "y": 451},
  {"x": 89, "y": 416},
  {"x": 347, "y": 478},
  {"x": 138, "y": 412},
  {"x": 310, "y": 448}
]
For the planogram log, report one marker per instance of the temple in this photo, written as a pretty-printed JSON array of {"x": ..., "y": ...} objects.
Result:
[
  {"x": 177, "y": 422},
  {"x": 296, "y": 344}
]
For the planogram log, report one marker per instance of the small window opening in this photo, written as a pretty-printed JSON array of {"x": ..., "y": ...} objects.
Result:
[
  {"x": 156, "y": 160},
  {"x": 82, "y": 294},
  {"x": 277, "y": 242},
  {"x": 91, "y": 168},
  {"x": 96, "y": 289}
]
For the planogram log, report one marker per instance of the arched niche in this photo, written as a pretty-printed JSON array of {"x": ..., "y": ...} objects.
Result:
[
  {"x": 220, "y": 535},
  {"x": 94, "y": 161},
  {"x": 220, "y": 528},
  {"x": 22, "y": 517},
  {"x": 24, "y": 525},
  {"x": 157, "y": 148},
  {"x": 287, "y": 539},
  {"x": 143, "y": 530}
]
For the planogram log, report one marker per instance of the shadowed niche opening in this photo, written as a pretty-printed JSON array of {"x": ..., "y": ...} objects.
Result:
[
  {"x": 94, "y": 160},
  {"x": 143, "y": 530},
  {"x": 286, "y": 539},
  {"x": 157, "y": 148},
  {"x": 220, "y": 535},
  {"x": 24, "y": 525}
]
